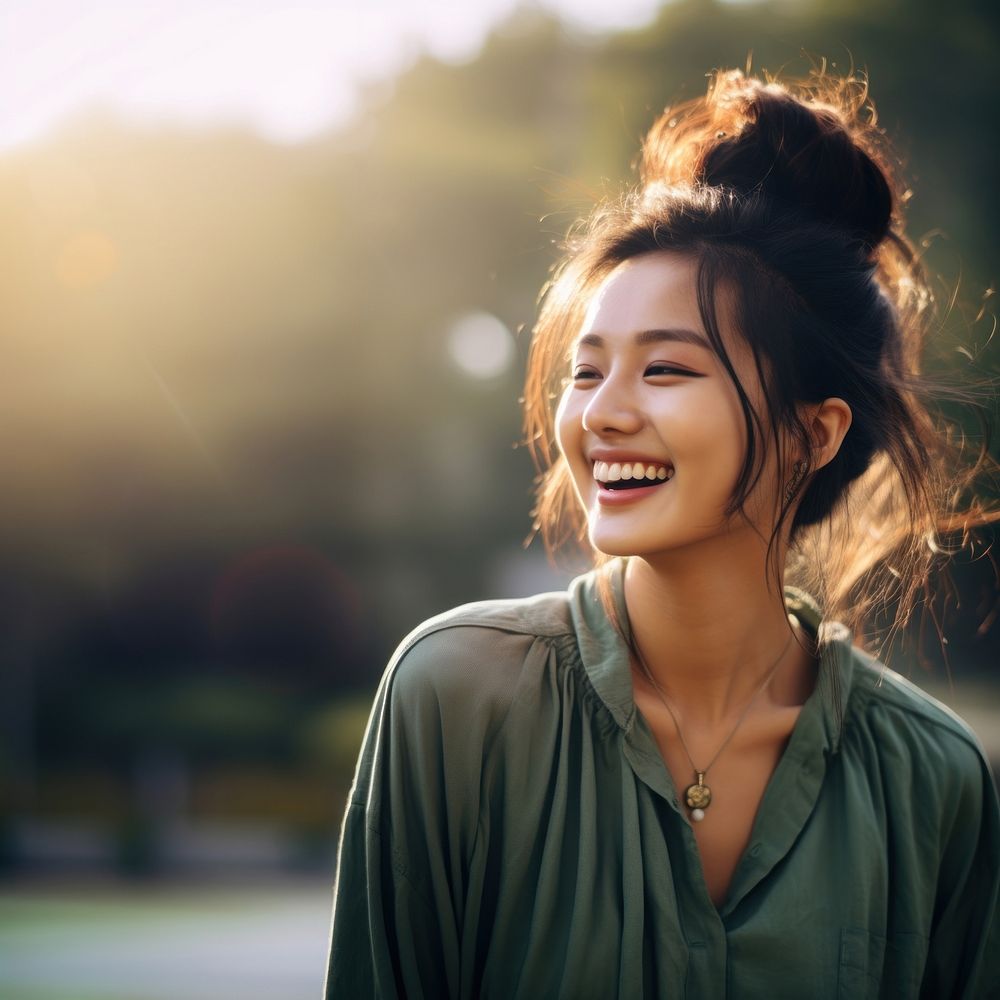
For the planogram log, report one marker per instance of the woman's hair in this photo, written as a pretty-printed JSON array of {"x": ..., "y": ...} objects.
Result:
[{"x": 787, "y": 198}]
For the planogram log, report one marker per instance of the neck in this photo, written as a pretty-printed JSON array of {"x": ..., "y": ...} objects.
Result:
[{"x": 710, "y": 632}]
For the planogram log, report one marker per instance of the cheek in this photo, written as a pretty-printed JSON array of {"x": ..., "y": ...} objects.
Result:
[
  {"x": 568, "y": 425},
  {"x": 709, "y": 440},
  {"x": 569, "y": 437}
]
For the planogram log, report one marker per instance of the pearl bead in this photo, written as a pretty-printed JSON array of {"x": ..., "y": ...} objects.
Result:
[{"x": 697, "y": 815}]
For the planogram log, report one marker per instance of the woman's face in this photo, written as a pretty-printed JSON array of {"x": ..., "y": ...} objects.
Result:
[{"x": 650, "y": 403}]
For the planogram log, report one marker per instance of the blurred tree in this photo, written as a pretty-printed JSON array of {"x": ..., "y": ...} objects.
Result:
[{"x": 239, "y": 460}]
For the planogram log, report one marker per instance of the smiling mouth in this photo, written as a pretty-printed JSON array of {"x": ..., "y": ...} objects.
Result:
[{"x": 631, "y": 475}]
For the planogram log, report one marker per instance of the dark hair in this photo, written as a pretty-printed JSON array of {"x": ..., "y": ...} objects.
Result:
[{"x": 786, "y": 197}]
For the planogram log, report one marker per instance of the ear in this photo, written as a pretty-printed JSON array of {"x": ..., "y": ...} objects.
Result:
[{"x": 828, "y": 423}]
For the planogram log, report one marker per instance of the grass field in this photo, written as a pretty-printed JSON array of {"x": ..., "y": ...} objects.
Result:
[{"x": 100, "y": 941}]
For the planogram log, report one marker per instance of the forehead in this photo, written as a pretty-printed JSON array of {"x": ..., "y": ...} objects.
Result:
[{"x": 653, "y": 291}]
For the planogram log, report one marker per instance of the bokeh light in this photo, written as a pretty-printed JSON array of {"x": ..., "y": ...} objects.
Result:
[{"x": 481, "y": 346}]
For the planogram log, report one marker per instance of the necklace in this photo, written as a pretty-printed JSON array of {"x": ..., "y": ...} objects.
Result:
[{"x": 698, "y": 797}]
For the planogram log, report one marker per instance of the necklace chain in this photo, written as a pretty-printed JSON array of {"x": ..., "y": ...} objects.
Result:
[{"x": 703, "y": 794}]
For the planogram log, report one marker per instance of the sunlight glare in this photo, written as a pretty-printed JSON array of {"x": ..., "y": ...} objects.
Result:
[{"x": 288, "y": 71}]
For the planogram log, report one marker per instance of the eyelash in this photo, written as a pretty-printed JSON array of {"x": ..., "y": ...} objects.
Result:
[{"x": 588, "y": 373}]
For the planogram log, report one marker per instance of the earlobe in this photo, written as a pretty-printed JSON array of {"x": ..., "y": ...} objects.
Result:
[{"x": 828, "y": 427}]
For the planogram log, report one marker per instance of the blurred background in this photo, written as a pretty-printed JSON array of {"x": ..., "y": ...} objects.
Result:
[{"x": 266, "y": 277}]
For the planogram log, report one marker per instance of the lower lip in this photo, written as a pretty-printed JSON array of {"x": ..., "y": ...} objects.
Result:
[{"x": 619, "y": 498}]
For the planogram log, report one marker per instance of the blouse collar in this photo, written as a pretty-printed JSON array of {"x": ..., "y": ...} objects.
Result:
[{"x": 605, "y": 654}]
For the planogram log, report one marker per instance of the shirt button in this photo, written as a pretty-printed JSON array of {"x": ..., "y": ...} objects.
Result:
[{"x": 755, "y": 850}]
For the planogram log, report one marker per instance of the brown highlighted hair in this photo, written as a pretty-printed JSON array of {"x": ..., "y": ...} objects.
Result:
[{"x": 786, "y": 195}]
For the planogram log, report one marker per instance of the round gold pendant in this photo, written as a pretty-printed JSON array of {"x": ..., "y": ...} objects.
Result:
[{"x": 698, "y": 796}]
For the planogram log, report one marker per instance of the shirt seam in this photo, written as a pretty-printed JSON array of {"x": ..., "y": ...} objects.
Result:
[
  {"x": 571, "y": 641},
  {"x": 480, "y": 620},
  {"x": 484, "y": 800},
  {"x": 598, "y": 699},
  {"x": 486, "y": 779},
  {"x": 398, "y": 866},
  {"x": 871, "y": 698}
]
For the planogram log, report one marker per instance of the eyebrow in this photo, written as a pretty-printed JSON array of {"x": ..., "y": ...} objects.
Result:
[{"x": 646, "y": 337}]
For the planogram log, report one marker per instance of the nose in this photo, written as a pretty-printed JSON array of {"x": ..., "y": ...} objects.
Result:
[{"x": 612, "y": 409}]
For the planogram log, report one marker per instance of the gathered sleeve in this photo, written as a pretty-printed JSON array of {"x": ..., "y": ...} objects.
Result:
[
  {"x": 963, "y": 958},
  {"x": 413, "y": 815}
]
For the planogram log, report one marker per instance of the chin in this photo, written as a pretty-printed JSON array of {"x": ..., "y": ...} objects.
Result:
[
  {"x": 614, "y": 543},
  {"x": 610, "y": 549},
  {"x": 614, "y": 540}
]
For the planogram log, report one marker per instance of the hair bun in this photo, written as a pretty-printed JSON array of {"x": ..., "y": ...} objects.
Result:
[{"x": 759, "y": 138}]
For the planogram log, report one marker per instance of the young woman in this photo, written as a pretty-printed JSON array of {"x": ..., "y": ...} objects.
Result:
[{"x": 682, "y": 777}]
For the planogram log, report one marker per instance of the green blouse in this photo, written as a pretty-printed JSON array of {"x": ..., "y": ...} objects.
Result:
[{"x": 513, "y": 832}]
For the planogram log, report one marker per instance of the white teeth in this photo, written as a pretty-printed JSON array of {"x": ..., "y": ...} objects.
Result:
[{"x": 604, "y": 472}]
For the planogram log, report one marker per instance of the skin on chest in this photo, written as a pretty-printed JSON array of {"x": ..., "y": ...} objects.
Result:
[{"x": 738, "y": 780}]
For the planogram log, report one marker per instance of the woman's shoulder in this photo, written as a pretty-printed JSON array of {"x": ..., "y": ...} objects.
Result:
[
  {"x": 900, "y": 716},
  {"x": 540, "y": 615},
  {"x": 477, "y": 651}
]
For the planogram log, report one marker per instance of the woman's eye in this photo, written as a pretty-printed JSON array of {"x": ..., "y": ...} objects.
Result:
[
  {"x": 584, "y": 373},
  {"x": 667, "y": 370}
]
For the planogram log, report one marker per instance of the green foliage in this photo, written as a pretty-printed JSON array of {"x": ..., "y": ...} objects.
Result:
[
  {"x": 331, "y": 737},
  {"x": 216, "y": 343},
  {"x": 208, "y": 718}
]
